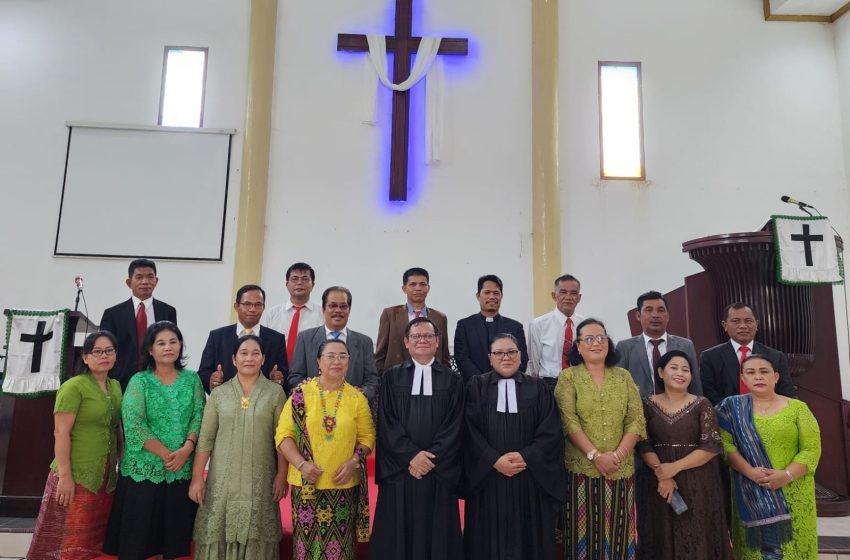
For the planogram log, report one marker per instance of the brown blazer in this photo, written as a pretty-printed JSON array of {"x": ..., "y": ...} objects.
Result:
[{"x": 389, "y": 348}]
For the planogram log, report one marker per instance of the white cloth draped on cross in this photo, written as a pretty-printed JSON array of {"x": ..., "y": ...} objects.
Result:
[
  {"x": 805, "y": 251},
  {"x": 35, "y": 361},
  {"x": 427, "y": 63}
]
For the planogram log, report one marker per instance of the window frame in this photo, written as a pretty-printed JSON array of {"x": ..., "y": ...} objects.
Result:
[
  {"x": 637, "y": 65},
  {"x": 166, "y": 50}
]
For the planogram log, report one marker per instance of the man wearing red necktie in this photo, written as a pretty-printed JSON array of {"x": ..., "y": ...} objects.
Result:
[
  {"x": 299, "y": 313},
  {"x": 720, "y": 366},
  {"x": 550, "y": 336},
  {"x": 129, "y": 320}
]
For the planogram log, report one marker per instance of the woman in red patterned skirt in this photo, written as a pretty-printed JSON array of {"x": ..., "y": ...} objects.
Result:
[{"x": 78, "y": 495}]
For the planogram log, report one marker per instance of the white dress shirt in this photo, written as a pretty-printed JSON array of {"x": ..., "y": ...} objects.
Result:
[
  {"x": 647, "y": 345},
  {"x": 737, "y": 348},
  {"x": 343, "y": 336},
  {"x": 546, "y": 342},
  {"x": 279, "y": 317},
  {"x": 240, "y": 330},
  {"x": 148, "y": 309}
]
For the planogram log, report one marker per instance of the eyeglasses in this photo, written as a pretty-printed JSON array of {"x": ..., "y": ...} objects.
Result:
[
  {"x": 98, "y": 352},
  {"x": 510, "y": 354},
  {"x": 422, "y": 336},
  {"x": 249, "y": 305},
  {"x": 340, "y": 306},
  {"x": 336, "y": 357},
  {"x": 590, "y": 339}
]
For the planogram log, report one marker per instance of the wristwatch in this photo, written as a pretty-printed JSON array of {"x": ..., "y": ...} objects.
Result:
[{"x": 591, "y": 455}]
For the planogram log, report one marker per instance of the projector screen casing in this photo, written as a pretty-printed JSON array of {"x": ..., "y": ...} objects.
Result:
[{"x": 158, "y": 192}]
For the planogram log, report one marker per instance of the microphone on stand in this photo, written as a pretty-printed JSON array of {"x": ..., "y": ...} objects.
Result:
[
  {"x": 78, "y": 282},
  {"x": 801, "y": 205},
  {"x": 795, "y": 202}
]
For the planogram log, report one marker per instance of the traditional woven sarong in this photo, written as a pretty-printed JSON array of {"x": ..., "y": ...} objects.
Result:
[
  {"x": 75, "y": 532},
  {"x": 325, "y": 522},
  {"x": 324, "y": 526},
  {"x": 599, "y": 518}
]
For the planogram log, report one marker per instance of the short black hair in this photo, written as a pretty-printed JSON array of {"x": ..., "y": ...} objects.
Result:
[
  {"x": 575, "y": 358},
  {"x": 249, "y": 288},
  {"x": 567, "y": 278},
  {"x": 346, "y": 291},
  {"x": 415, "y": 271},
  {"x": 301, "y": 266},
  {"x": 140, "y": 263},
  {"x": 489, "y": 278},
  {"x": 88, "y": 343},
  {"x": 665, "y": 359},
  {"x": 504, "y": 336},
  {"x": 329, "y": 341},
  {"x": 88, "y": 346},
  {"x": 245, "y": 338},
  {"x": 738, "y": 305},
  {"x": 419, "y": 321},
  {"x": 150, "y": 336},
  {"x": 652, "y": 294},
  {"x": 759, "y": 357}
]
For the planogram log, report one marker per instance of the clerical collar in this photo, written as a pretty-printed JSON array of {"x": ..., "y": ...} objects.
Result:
[
  {"x": 506, "y": 396},
  {"x": 422, "y": 379},
  {"x": 489, "y": 319}
]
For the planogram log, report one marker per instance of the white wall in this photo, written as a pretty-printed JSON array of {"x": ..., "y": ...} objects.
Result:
[
  {"x": 841, "y": 35},
  {"x": 737, "y": 112},
  {"x": 328, "y": 188},
  {"x": 101, "y": 61}
]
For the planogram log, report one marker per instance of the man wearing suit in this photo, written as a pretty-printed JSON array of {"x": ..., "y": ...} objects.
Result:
[
  {"x": 639, "y": 354},
  {"x": 129, "y": 320},
  {"x": 473, "y": 334},
  {"x": 217, "y": 359},
  {"x": 391, "y": 350},
  {"x": 551, "y": 336},
  {"x": 720, "y": 366},
  {"x": 336, "y": 306}
]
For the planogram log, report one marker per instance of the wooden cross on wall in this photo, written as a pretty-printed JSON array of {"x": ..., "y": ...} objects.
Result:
[{"x": 403, "y": 44}]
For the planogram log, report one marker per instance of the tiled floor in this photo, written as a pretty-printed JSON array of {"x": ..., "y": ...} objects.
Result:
[{"x": 15, "y": 535}]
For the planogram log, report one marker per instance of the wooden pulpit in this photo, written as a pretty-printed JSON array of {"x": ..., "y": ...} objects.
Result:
[
  {"x": 26, "y": 437},
  {"x": 799, "y": 320}
]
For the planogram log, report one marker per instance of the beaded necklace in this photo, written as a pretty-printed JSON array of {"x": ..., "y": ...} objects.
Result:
[{"x": 329, "y": 420}]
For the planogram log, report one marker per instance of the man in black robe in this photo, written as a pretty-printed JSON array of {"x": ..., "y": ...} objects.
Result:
[
  {"x": 418, "y": 464},
  {"x": 514, "y": 461}
]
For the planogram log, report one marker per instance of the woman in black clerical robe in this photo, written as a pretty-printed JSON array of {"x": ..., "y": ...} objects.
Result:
[{"x": 514, "y": 454}]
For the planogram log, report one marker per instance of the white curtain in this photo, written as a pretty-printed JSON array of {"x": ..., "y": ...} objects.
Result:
[{"x": 427, "y": 63}]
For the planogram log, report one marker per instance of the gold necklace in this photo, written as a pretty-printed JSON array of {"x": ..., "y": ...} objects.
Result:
[{"x": 765, "y": 408}]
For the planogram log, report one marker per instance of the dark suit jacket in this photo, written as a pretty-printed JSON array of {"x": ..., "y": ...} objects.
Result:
[
  {"x": 361, "y": 365},
  {"x": 720, "y": 371},
  {"x": 472, "y": 343},
  {"x": 219, "y": 350},
  {"x": 390, "y": 350},
  {"x": 120, "y": 320},
  {"x": 633, "y": 357}
]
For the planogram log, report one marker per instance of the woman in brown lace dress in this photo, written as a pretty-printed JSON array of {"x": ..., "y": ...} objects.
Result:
[{"x": 683, "y": 441}]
